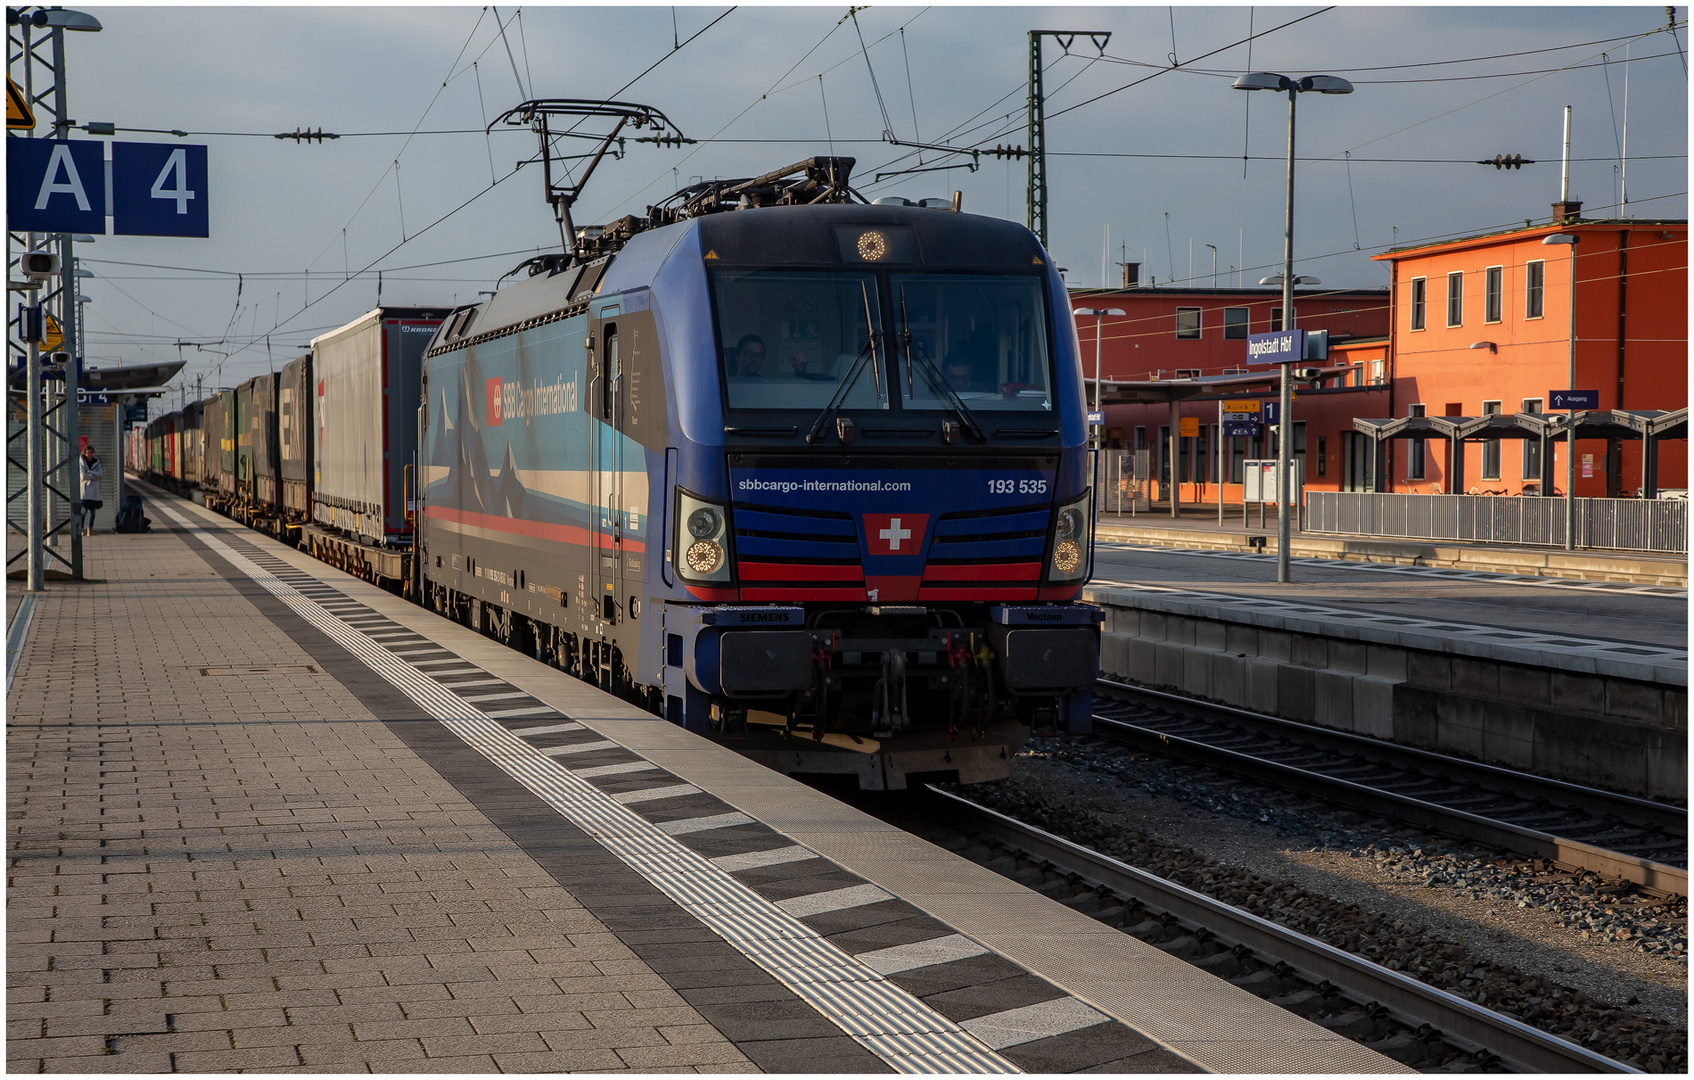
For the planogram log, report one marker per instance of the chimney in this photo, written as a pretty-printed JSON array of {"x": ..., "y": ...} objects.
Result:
[
  {"x": 1131, "y": 275},
  {"x": 1567, "y": 208}
]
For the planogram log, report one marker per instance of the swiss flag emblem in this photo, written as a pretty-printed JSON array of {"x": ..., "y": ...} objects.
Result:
[
  {"x": 495, "y": 397},
  {"x": 895, "y": 534}
]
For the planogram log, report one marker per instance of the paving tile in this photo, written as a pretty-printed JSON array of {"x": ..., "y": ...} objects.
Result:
[
  {"x": 822, "y": 1055},
  {"x": 970, "y": 1002},
  {"x": 1091, "y": 1047}
]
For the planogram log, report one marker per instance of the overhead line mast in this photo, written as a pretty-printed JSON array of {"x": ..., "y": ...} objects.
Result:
[{"x": 1037, "y": 220}]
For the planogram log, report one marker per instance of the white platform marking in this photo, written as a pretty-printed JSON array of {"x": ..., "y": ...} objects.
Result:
[
  {"x": 751, "y": 860},
  {"x": 669, "y": 791},
  {"x": 614, "y": 770},
  {"x": 1032, "y": 1022},
  {"x": 684, "y": 826},
  {"x": 575, "y": 748},
  {"x": 548, "y": 729},
  {"x": 834, "y": 900},
  {"x": 917, "y": 954}
]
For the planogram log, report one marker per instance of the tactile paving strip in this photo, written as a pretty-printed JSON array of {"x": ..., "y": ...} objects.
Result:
[{"x": 888, "y": 1020}]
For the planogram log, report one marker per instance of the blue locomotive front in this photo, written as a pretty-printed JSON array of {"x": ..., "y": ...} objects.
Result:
[{"x": 808, "y": 479}]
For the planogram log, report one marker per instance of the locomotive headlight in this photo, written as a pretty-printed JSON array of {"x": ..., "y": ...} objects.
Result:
[
  {"x": 701, "y": 543},
  {"x": 703, "y": 557},
  {"x": 1070, "y": 542},
  {"x": 1072, "y": 522},
  {"x": 705, "y": 522}
]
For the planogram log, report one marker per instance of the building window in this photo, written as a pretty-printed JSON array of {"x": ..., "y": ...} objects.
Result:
[
  {"x": 1417, "y": 302},
  {"x": 1323, "y": 454},
  {"x": 1276, "y": 317},
  {"x": 1532, "y": 447},
  {"x": 1234, "y": 323},
  {"x": 1414, "y": 455},
  {"x": 1491, "y": 447},
  {"x": 1187, "y": 322},
  {"x": 1141, "y": 438},
  {"x": 1491, "y": 279},
  {"x": 1456, "y": 298},
  {"x": 1535, "y": 279},
  {"x": 1187, "y": 373},
  {"x": 1376, "y": 372}
]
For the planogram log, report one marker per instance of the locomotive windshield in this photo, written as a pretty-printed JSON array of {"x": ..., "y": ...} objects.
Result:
[
  {"x": 985, "y": 335},
  {"x": 790, "y": 338},
  {"x": 794, "y": 339}
]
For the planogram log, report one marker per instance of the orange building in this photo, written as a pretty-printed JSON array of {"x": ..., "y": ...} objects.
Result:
[{"x": 1483, "y": 325}]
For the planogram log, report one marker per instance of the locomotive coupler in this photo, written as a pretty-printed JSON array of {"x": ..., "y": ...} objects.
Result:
[{"x": 891, "y": 692}]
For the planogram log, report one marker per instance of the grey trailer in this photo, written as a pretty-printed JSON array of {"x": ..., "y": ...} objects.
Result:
[{"x": 369, "y": 379}]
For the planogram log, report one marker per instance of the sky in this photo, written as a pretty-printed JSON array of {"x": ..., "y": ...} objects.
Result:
[{"x": 415, "y": 189}]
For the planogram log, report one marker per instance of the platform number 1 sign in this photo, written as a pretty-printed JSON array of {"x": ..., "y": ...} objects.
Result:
[{"x": 159, "y": 190}]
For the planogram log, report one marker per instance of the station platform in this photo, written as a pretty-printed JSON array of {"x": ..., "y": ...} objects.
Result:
[
  {"x": 1579, "y": 679},
  {"x": 265, "y": 816},
  {"x": 1199, "y": 529}
]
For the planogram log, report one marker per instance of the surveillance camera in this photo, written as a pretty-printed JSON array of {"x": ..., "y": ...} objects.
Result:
[
  {"x": 39, "y": 264},
  {"x": 1306, "y": 373}
]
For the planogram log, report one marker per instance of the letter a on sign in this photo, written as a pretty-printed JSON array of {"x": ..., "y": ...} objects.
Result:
[{"x": 55, "y": 185}]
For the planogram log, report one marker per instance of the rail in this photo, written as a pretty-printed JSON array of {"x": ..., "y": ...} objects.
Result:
[
  {"x": 1649, "y": 525},
  {"x": 1476, "y": 783},
  {"x": 1519, "y": 1046}
]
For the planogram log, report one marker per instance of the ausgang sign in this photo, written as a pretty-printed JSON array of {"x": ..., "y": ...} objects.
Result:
[{"x": 1277, "y": 347}]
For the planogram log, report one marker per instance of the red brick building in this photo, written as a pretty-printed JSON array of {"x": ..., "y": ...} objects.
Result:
[{"x": 1184, "y": 334}]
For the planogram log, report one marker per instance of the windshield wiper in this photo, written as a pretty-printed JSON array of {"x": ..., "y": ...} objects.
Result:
[
  {"x": 866, "y": 351},
  {"x": 933, "y": 374}
]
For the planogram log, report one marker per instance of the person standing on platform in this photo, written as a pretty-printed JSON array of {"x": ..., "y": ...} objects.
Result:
[{"x": 91, "y": 471}]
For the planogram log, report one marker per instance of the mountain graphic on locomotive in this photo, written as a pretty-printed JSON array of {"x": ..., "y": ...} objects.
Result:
[{"x": 800, "y": 473}]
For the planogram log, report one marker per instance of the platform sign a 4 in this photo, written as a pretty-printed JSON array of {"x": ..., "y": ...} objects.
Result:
[{"x": 159, "y": 189}]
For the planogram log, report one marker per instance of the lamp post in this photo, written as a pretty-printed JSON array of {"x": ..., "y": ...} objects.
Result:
[
  {"x": 1214, "y": 248},
  {"x": 1570, "y": 240},
  {"x": 1099, "y": 404},
  {"x": 1322, "y": 84}
]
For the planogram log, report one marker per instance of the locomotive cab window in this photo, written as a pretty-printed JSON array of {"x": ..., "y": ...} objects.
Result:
[
  {"x": 984, "y": 336},
  {"x": 789, "y": 339}
]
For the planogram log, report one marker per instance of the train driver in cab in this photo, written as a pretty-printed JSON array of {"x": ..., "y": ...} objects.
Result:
[{"x": 748, "y": 360}]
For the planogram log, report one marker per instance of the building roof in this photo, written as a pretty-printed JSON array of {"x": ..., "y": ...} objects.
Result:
[
  {"x": 1544, "y": 229},
  {"x": 1268, "y": 292}
]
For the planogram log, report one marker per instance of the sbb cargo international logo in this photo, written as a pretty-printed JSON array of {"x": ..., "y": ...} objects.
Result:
[{"x": 496, "y": 399}]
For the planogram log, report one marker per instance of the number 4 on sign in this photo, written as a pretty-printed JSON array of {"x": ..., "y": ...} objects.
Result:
[
  {"x": 159, "y": 190},
  {"x": 176, "y": 167}
]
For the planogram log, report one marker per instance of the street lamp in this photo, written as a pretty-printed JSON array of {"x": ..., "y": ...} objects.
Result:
[
  {"x": 1570, "y": 240},
  {"x": 1322, "y": 84},
  {"x": 1099, "y": 403}
]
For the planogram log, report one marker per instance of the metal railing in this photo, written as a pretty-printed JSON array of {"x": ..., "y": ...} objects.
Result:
[
  {"x": 1658, "y": 525},
  {"x": 1125, "y": 482}
]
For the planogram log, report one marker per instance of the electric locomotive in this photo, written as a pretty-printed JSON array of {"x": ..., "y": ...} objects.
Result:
[{"x": 795, "y": 471}]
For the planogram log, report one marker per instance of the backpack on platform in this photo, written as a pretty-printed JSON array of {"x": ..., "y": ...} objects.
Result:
[{"x": 130, "y": 519}]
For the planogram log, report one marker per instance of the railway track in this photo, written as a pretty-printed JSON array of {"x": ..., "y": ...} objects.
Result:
[
  {"x": 1580, "y": 828},
  {"x": 1421, "y": 1011}
]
